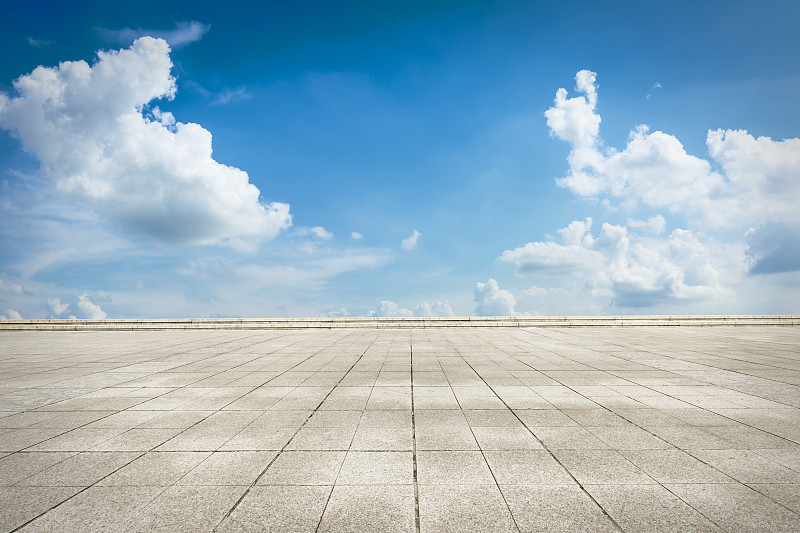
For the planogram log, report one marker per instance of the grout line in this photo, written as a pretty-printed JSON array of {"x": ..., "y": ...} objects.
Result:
[
  {"x": 414, "y": 442},
  {"x": 483, "y": 454},
  {"x": 580, "y": 485},
  {"x": 634, "y": 424},
  {"x": 283, "y": 448},
  {"x": 84, "y": 489}
]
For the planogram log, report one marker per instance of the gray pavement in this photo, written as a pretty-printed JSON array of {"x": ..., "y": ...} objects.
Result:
[{"x": 432, "y": 430}]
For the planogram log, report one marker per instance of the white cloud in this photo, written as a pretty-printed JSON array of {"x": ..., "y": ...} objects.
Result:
[
  {"x": 492, "y": 300},
  {"x": 574, "y": 120},
  {"x": 356, "y": 235},
  {"x": 439, "y": 308},
  {"x": 549, "y": 257},
  {"x": 576, "y": 231},
  {"x": 100, "y": 143},
  {"x": 759, "y": 180},
  {"x": 183, "y": 34},
  {"x": 89, "y": 309},
  {"x": 321, "y": 233},
  {"x": 56, "y": 307},
  {"x": 655, "y": 224},
  {"x": 411, "y": 242},
  {"x": 11, "y": 315},
  {"x": 387, "y": 308},
  {"x": 631, "y": 273}
]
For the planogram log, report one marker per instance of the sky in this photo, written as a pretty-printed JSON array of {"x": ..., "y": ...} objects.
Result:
[{"x": 415, "y": 158}]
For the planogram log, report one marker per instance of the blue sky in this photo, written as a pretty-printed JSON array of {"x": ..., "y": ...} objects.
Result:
[{"x": 200, "y": 159}]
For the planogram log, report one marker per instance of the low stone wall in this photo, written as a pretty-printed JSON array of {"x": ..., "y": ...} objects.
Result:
[{"x": 404, "y": 322}]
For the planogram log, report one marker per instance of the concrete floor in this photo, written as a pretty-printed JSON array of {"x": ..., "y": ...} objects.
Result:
[{"x": 470, "y": 429}]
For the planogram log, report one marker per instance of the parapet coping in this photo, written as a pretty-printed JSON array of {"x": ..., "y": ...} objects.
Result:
[{"x": 401, "y": 322}]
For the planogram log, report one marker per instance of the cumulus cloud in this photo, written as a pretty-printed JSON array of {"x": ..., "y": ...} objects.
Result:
[
  {"x": 388, "y": 308},
  {"x": 356, "y": 235},
  {"x": 535, "y": 292},
  {"x": 411, "y": 242},
  {"x": 183, "y": 34},
  {"x": 321, "y": 233},
  {"x": 492, "y": 300},
  {"x": 56, "y": 307},
  {"x": 11, "y": 315},
  {"x": 88, "y": 309},
  {"x": 654, "y": 225},
  {"x": 632, "y": 273},
  {"x": 102, "y": 142},
  {"x": 438, "y": 308},
  {"x": 759, "y": 181}
]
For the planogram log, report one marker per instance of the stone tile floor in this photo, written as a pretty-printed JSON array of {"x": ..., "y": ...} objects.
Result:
[{"x": 432, "y": 430}]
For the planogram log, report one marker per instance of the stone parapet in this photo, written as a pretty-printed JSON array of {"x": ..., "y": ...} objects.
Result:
[{"x": 402, "y": 322}]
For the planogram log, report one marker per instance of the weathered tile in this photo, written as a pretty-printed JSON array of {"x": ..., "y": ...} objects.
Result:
[
  {"x": 526, "y": 467},
  {"x": 453, "y": 468},
  {"x": 359, "y": 508},
  {"x": 376, "y": 468},
  {"x": 555, "y": 508},
  {"x": 155, "y": 469},
  {"x": 459, "y": 508},
  {"x": 304, "y": 468},
  {"x": 21, "y": 504},
  {"x": 643, "y": 508},
  {"x": 736, "y": 507},
  {"x": 229, "y": 468}
]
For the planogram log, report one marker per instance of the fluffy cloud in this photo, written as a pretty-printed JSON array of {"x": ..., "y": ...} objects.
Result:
[
  {"x": 757, "y": 184},
  {"x": 632, "y": 273},
  {"x": 411, "y": 242},
  {"x": 11, "y": 315},
  {"x": 356, "y": 235},
  {"x": 183, "y": 34},
  {"x": 654, "y": 225},
  {"x": 85, "y": 308},
  {"x": 759, "y": 180},
  {"x": 56, "y": 307},
  {"x": 439, "y": 308},
  {"x": 98, "y": 138},
  {"x": 321, "y": 233},
  {"x": 89, "y": 309},
  {"x": 389, "y": 308},
  {"x": 492, "y": 300}
]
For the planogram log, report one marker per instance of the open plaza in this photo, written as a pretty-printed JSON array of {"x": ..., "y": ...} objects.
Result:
[{"x": 401, "y": 429}]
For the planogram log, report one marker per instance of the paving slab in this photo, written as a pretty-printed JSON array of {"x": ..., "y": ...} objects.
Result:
[{"x": 428, "y": 426}]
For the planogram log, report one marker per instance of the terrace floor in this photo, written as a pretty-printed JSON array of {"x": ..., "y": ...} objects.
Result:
[{"x": 432, "y": 430}]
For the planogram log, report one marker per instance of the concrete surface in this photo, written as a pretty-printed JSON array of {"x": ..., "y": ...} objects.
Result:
[{"x": 432, "y": 430}]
